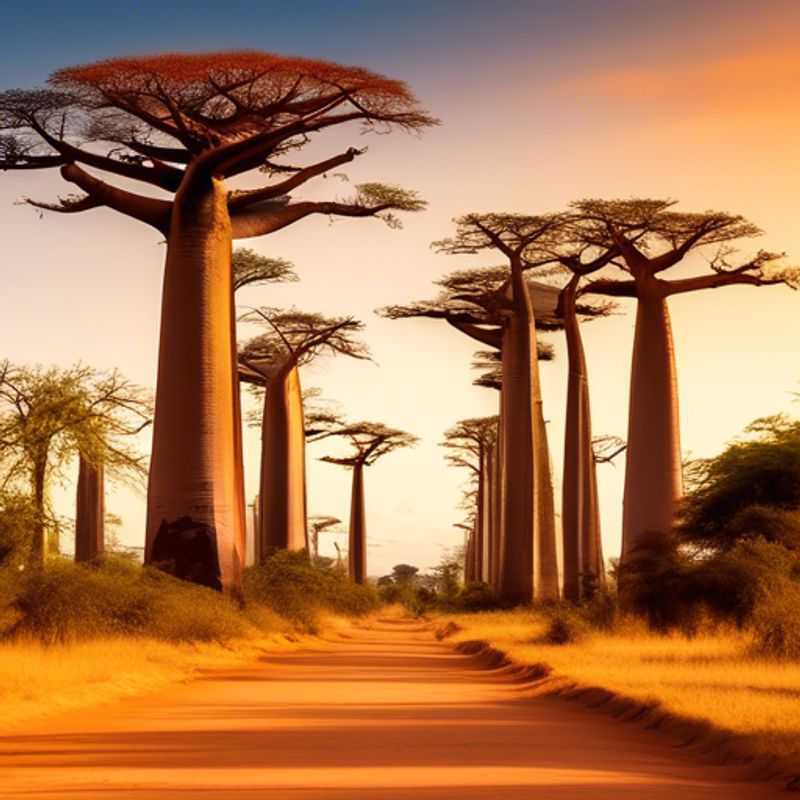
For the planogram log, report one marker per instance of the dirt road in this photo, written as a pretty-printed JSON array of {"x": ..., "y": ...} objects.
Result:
[{"x": 384, "y": 715}]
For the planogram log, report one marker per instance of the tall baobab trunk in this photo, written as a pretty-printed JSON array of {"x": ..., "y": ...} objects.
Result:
[
  {"x": 195, "y": 515},
  {"x": 357, "y": 547},
  {"x": 528, "y": 551},
  {"x": 282, "y": 494},
  {"x": 492, "y": 541},
  {"x": 39, "y": 534},
  {"x": 90, "y": 511},
  {"x": 497, "y": 498},
  {"x": 478, "y": 554},
  {"x": 653, "y": 479},
  {"x": 583, "y": 555},
  {"x": 469, "y": 559},
  {"x": 487, "y": 533}
]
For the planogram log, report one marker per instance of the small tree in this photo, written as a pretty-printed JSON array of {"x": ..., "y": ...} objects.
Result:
[
  {"x": 272, "y": 361},
  {"x": 49, "y": 415},
  {"x": 368, "y": 442},
  {"x": 652, "y": 238},
  {"x": 185, "y": 124}
]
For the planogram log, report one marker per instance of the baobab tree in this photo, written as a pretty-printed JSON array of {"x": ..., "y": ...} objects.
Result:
[
  {"x": 470, "y": 444},
  {"x": 49, "y": 415},
  {"x": 651, "y": 238},
  {"x": 368, "y": 442},
  {"x": 317, "y": 525},
  {"x": 184, "y": 124},
  {"x": 497, "y": 306},
  {"x": 272, "y": 361}
]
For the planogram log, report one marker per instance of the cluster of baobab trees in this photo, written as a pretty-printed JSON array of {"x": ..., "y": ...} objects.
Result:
[
  {"x": 561, "y": 268},
  {"x": 184, "y": 125}
]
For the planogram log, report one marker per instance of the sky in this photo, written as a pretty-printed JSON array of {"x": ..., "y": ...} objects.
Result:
[{"x": 541, "y": 103}]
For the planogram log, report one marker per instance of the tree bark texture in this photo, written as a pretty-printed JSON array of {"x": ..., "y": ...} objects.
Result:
[
  {"x": 195, "y": 514},
  {"x": 357, "y": 548},
  {"x": 90, "y": 511}
]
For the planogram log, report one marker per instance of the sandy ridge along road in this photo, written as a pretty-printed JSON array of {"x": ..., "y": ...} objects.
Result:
[{"x": 388, "y": 714}]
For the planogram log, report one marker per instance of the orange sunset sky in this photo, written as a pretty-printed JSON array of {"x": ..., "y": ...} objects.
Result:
[{"x": 541, "y": 103}]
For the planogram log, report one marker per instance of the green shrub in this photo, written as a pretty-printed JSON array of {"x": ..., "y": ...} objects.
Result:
[
  {"x": 602, "y": 609},
  {"x": 298, "y": 591}
]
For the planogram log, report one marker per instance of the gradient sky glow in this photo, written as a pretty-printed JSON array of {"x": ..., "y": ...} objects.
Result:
[{"x": 541, "y": 103}]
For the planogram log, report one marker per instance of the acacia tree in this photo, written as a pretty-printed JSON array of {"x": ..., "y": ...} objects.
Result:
[
  {"x": 368, "y": 442},
  {"x": 497, "y": 307},
  {"x": 46, "y": 416},
  {"x": 652, "y": 238},
  {"x": 185, "y": 124},
  {"x": 124, "y": 410},
  {"x": 272, "y": 361},
  {"x": 470, "y": 444}
]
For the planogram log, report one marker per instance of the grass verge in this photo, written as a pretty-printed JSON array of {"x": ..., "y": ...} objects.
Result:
[{"x": 711, "y": 677}]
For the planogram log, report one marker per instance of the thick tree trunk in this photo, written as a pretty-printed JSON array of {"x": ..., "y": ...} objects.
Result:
[
  {"x": 653, "y": 479},
  {"x": 90, "y": 511},
  {"x": 38, "y": 552},
  {"x": 469, "y": 559},
  {"x": 487, "y": 504},
  {"x": 195, "y": 514},
  {"x": 282, "y": 492},
  {"x": 583, "y": 556},
  {"x": 528, "y": 552},
  {"x": 357, "y": 548}
]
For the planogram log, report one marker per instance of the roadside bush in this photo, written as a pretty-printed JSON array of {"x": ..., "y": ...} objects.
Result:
[
  {"x": 565, "y": 626},
  {"x": 776, "y": 622},
  {"x": 475, "y": 597},
  {"x": 67, "y": 601},
  {"x": 298, "y": 591}
]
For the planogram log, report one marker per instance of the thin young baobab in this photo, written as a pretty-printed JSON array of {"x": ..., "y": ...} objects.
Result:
[
  {"x": 368, "y": 441},
  {"x": 272, "y": 361},
  {"x": 185, "y": 124},
  {"x": 317, "y": 525},
  {"x": 651, "y": 238},
  {"x": 469, "y": 444}
]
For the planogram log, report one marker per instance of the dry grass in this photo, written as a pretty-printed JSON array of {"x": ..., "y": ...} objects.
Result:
[
  {"x": 710, "y": 677},
  {"x": 38, "y": 680}
]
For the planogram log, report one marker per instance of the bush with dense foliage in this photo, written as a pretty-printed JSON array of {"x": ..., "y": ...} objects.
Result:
[
  {"x": 297, "y": 590},
  {"x": 751, "y": 490}
]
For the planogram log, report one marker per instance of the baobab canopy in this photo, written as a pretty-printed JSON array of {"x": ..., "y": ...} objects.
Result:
[{"x": 158, "y": 119}]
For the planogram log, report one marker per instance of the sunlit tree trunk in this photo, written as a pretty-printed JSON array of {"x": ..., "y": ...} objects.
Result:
[
  {"x": 480, "y": 520},
  {"x": 487, "y": 466},
  {"x": 90, "y": 511},
  {"x": 583, "y": 559},
  {"x": 469, "y": 558},
  {"x": 497, "y": 499},
  {"x": 653, "y": 480},
  {"x": 195, "y": 514},
  {"x": 545, "y": 579},
  {"x": 39, "y": 533},
  {"x": 282, "y": 493},
  {"x": 522, "y": 451},
  {"x": 357, "y": 548}
]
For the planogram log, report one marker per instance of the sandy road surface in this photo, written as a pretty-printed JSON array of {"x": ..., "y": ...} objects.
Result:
[{"x": 384, "y": 715}]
